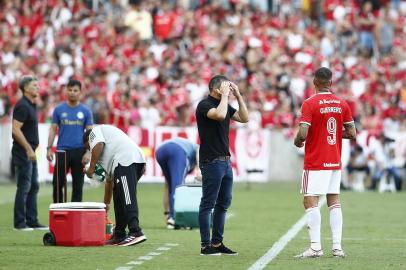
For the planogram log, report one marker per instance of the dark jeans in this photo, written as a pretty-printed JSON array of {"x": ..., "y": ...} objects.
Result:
[
  {"x": 217, "y": 193},
  {"x": 25, "y": 205},
  {"x": 173, "y": 161},
  {"x": 352, "y": 169},
  {"x": 125, "y": 198},
  {"x": 392, "y": 171},
  {"x": 74, "y": 163}
]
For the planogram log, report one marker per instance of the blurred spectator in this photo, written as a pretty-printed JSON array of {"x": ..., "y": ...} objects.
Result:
[
  {"x": 384, "y": 156},
  {"x": 164, "y": 21},
  {"x": 386, "y": 31},
  {"x": 150, "y": 116},
  {"x": 5, "y": 108},
  {"x": 367, "y": 22},
  {"x": 358, "y": 163},
  {"x": 140, "y": 21}
]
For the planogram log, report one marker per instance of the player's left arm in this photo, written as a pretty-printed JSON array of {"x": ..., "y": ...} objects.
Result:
[
  {"x": 95, "y": 153},
  {"x": 349, "y": 131},
  {"x": 301, "y": 134},
  {"x": 242, "y": 114}
]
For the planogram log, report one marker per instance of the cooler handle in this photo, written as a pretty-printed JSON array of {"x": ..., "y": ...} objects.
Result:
[{"x": 60, "y": 216}]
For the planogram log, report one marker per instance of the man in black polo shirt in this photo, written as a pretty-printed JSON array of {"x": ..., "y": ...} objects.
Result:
[
  {"x": 213, "y": 121},
  {"x": 25, "y": 141}
]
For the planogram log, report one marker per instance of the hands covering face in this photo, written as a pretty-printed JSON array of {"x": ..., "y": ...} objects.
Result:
[
  {"x": 227, "y": 86},
  {"x": 235, "y": 90}
]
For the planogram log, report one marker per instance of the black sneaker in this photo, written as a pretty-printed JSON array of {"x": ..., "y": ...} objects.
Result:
[
  {"x": 114, "y": 240},
  {"x": 23, "y": 228},
  {"x": 39, "y": 227},
  {"x": 132, "y": 239},
  {"x": 225, "y": 250},
  {"x": 209, "y": 250}
]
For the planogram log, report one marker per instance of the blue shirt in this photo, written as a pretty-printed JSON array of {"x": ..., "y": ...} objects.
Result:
[
  {"x": 72, "y": 122},
  {"x": 189, "y": 148}
]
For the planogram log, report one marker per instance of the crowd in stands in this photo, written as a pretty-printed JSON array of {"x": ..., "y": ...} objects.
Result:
[{"x": 148, "y": 62}]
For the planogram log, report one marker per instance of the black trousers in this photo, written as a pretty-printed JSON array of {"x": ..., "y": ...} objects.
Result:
[
  {"x": 125, "y": 198},
  {"x": 74, "y": 164}
]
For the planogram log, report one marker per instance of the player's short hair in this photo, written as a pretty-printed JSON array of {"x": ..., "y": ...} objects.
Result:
[
  {"x": 323, "y": 74},
  {"x": 85, "y": 137},
  {"x": 73, "y": 82},
  {"x": 24, "y": 81},
  {"x": 216, "y": 81}
]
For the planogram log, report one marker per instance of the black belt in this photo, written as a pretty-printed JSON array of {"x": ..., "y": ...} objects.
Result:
[{"x": 221, "y": 158}]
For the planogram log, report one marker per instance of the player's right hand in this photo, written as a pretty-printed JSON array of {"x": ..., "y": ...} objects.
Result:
[
  {"x": 50, "y": 155},
  {"x": 31, "y": 155},
  {"x": 225, "y": 88}
]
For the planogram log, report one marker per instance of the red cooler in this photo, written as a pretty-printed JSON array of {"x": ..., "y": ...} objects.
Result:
[{"x": 76, "y": 224}]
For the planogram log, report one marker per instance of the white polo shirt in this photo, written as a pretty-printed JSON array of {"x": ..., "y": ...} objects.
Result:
[{"x": 118, "y": 148}]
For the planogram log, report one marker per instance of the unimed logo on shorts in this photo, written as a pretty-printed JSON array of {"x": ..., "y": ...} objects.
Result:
[{"x": 327, "y": 165}]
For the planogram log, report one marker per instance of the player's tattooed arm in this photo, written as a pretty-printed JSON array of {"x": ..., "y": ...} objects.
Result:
[
  {"x": 349, "y": 131},
  {"x": 301, "y": 135}
]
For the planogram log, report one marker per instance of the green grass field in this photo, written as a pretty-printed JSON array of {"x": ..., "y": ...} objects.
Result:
[{"x": 374, "y": 234}]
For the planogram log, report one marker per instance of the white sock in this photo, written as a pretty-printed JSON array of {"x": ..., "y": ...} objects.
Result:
[
  {"x": 336, "y": 224},
  {"x": 313, "y": 225}
]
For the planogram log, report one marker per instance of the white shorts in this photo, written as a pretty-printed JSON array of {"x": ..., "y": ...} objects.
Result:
[{"x": 320, "y": 182}]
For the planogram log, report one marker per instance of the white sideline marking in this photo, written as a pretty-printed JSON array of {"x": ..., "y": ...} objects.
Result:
[
  {"x": 171, "y": 245},
  {"x": 150, "y": 256},
  {"x": 154, "y": 254},
  {"x": 134, "y": 263},
  {"x": 282, "y": 242},
  {"x": 145, "y": 258},
  {"x": 163, "y": 248}
]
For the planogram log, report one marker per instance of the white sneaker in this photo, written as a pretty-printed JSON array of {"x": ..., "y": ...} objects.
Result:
[
  {"x": 310, "y": 253},
  {"x": 170, "y": 223},
  {"x": 339, "y": 253}
]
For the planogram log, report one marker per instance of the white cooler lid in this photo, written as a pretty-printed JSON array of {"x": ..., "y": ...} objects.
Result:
[{"x": 77, "y": 205}]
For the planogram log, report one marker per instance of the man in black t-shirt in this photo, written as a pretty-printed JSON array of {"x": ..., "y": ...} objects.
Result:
[
  {"x": 213, "y": 116},
  {"x": 25, "y": 141}
]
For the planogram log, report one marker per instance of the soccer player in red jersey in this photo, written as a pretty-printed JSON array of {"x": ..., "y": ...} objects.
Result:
[{"x": 321, "y": 126}]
